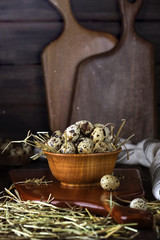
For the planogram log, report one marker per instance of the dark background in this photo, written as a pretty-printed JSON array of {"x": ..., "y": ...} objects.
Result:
[{"x": 26, "y": 27}]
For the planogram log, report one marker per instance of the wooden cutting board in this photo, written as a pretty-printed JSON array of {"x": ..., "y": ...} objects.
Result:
[
  {"x": 120, "y": 83},
  {"x": 60, "y": 59},
  {"x": 91, "y": 198}
]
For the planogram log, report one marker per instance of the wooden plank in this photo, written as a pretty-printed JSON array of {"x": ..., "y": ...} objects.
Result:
[
  {"x": 103, "y": 79},
  {"x": 30, "y": 10},
  {"x": 61, "y": 58},
  {"x": 22, "y": 85},
  {"x": 17, "y": 120},
  {"x": 41, "y": 10},
  {"x": 17, "y": 81},
  {"x": 147, "y": 30},
  {"x": 22, "y": 43},
  {"x": 98, "y": 10}
]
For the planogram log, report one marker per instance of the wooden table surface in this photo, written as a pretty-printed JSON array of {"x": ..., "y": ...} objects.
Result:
[{"x": 145, "y": 234}]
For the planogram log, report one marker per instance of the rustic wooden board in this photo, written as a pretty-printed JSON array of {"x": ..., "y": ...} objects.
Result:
[
  {"x": 17, "y": 81},
  {"x": 119, "y": 84},
  {"x": 23, "y": 42},
  {"x": 90, "y": 9},
  {"x": 92, "y": 198},
  {"x": 60, "y": 59},
  {"x": 130, "y": 187}
]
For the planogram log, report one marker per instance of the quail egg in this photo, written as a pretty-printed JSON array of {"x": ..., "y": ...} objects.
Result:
[
  {"x": 57, "y": 133},
  {"x": 98, "y": 134},
  {"x": 85, "y": 126},
  {"x": 107, "y": 135},
  {"x": 109, "y": 182},
  {"x": 72, "y": 132},
  {"x": 55, "y": 143},
  {"x": 100, "y": 147},
  {"x": 85, "y": 146},
  {"x": 80, "y": 139},
  {"x": 138, "y": 203},
  {"x": 68, "y": 148},
  {"x": 98, "y": 125}
]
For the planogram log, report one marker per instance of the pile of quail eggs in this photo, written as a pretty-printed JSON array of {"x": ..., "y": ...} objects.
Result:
[{"x": 82, "y": 137}]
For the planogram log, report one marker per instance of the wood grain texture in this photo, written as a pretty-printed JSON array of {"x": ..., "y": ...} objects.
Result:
[
  {"x": 119, "y": 84},
  {"x": 23, "y": 84},
  {"x": 60, "y": 59},
  {"x": 81, "y": 170},
  {"x": 26, "y": 27},
  {"x": 23, "y": 42},
  {"x": 41, "y": 10},
  {"x": 90, "y": 197}
]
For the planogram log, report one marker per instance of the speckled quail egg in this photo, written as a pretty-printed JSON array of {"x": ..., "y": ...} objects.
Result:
[
  {"x": 85, "y": 126},
  {"x": 98, "y": 125},
  {"x": 72, "y": 132},
  {"x": 98, "y": 134},
  {"x": 80, "y": 139},
  {"x": 55, "y": 142},
  {"x": 109, "y": 182},
  {"x": 100, "y": 147},
  {"x": 85, "y": 146},
  {"x": 68, "y": 148},
  {"x": 57, "y": 133},
  {"x": 107, "y": 135},
  {"x": 138, "y": 203}
]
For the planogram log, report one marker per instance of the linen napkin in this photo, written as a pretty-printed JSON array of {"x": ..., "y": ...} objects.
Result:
[{"x": 145, "y": 153}]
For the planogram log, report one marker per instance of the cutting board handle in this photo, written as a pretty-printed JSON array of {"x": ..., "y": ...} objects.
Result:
[
  {"x": 64, "y": 7},
  {"x": 129, "y": 11},
  {"x": 123, "y": 215}
]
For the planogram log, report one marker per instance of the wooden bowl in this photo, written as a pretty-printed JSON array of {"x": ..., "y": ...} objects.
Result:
[{"x": 81, "y": 170}]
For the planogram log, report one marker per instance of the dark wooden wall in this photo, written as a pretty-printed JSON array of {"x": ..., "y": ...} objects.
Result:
[{"x": 26, "y": 27}]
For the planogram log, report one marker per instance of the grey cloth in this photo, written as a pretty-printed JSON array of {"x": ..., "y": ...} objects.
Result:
[{"x": 145, "y": 153}]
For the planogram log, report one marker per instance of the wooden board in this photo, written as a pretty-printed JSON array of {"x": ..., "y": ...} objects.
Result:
[
  {"x": 40, "y": 10},
  {"x": 91, "y": 198},
  {"x": 60, "y": 59},
  {"x": 120, "y": 83}
]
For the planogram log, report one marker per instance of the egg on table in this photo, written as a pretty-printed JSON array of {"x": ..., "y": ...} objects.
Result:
[
  {"x": 138, "y": 203},
  {"x": 109, "y": 182}
]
